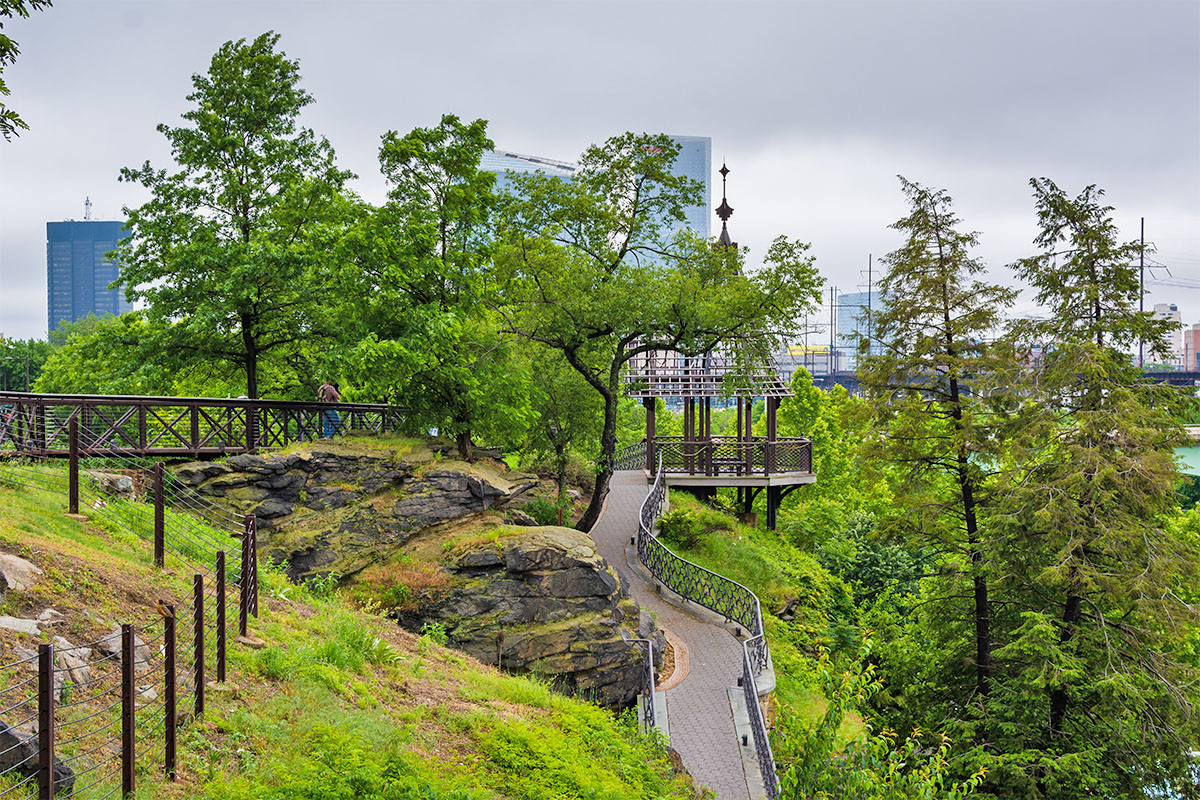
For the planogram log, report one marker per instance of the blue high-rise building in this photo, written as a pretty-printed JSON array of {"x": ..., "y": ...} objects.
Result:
[
  {"x": 694, "y": 161},
  {"x": 852, "y": 323},
  {"x": 79, "y": 271}
]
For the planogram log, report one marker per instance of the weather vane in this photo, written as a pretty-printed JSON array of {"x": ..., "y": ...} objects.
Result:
[{"x": 725, "y": 211}]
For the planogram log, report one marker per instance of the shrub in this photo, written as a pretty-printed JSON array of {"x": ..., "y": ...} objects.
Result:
[
  {"x": 435, "y": 632},
  {"x": 543, "y": 510},
  {"x": 687, "y": 527}
]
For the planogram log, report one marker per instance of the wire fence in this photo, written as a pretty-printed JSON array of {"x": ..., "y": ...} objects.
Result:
[{"x": 88, "y": 719}]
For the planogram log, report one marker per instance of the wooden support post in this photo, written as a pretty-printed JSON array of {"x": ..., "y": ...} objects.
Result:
[
  {"x": 128, "y": 717},
  {"x": 253, "y": 531},
  {"x": 749, "y": 440},
  {"x": 169, "y": 715},
  {"x": 142, "y": 429},
  {"x": 221, "y": 616},
  {"x": 46, "y": 698},
  {"x": 160, "y": 527},
  {"x": 198, "y": 639},
  {"x": 195, "y": 429},
  {"x": 73, "y": 492},
  {"x": 773, "y": 500}
]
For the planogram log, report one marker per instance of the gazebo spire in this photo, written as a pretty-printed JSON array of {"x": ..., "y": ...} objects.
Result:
[{"x": 725, "y": 211}]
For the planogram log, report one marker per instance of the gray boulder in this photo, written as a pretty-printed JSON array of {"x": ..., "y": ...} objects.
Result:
[
  {"x": 16, "y": 573},
  {"x": 19, "y": 751}
]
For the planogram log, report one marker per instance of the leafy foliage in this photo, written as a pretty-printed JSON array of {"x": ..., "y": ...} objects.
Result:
[
  {"x": 10, "y": 123},
  {"x": 232, "y": 250}
]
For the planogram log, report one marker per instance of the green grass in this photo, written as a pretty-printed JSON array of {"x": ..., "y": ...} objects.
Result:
[
  {"x": 777, "y": 572},
  {"x": 338, "y": 703}
]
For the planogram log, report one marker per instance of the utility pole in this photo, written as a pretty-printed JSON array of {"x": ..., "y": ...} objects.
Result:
[
  {"x": 1142, "y": 292},
  {"x": 832, "y": 330},
  {"x": 870, "y": 288}
]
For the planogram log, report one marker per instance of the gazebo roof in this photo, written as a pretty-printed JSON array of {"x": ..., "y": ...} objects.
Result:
[{"x": 667, "y": 373}]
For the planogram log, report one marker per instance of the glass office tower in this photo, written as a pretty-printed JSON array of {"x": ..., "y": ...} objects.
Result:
[
  {"x": 78, "y": 270},
  {"x": 694, "y": 161},
  {"x": 852, "y": 323}
]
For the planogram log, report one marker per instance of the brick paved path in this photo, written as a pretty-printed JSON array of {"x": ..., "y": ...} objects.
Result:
[{"x": 698, "y": 711}]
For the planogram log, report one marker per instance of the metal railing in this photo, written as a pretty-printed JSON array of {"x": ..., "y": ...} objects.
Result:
[
  {"x": 631, "y": 457},
  {"x": 730, "y": 456},
  {"x": 728, "y": 598},
  {"x": 647, "y": 693},
  {"x": 36, "y": 424}
]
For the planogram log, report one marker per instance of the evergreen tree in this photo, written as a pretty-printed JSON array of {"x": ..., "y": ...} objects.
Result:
[
  {"x": 1098, "y": 687},
  {"x": 932, "y": 385}
]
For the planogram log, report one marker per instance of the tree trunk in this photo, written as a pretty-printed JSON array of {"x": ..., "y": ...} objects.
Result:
[
  {"x": 608, "y": 442},
  {"x": 464, "y": 445},
  {"x": 1072, "y": 612}
]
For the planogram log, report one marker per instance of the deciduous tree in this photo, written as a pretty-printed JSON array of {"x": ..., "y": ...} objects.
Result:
[
  {"x": 589, "y": 272},
  {"x": 232, "y": 248},
  {"x": 10, "y": 123}
]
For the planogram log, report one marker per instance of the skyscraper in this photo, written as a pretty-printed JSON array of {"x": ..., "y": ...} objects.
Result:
[
  {"x": 78, "y": 270},
  {"x": 852, "y": 309},
  {"x": 694, "y": 161}
]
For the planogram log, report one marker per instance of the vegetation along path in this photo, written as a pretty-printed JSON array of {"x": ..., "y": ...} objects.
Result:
[{"x": 698, "y": 710}]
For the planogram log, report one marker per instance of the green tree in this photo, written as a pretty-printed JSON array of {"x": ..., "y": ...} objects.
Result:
[
  {"x": 931, "y": 384},
  {"x": 432, "y": 337},
  {"x": 10, "y": 123},
  {"x": 1102, "y": 679},
  {"x": 566, "y": 411},
  {"x": 107, "y": 355},
  {"x": 589, "y": 272},
  {"x": 232, "y": 248},
  {"x": 22, "y": 360}
]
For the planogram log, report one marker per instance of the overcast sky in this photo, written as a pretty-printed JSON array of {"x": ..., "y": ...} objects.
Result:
[{"x": 815, "y": 106}]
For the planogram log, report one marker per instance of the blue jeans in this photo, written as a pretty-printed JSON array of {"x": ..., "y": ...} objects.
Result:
[{"x": 329, "y": 423}]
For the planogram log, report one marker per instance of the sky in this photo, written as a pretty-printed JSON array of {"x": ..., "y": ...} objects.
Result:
[{"x": 816, "y": 107}]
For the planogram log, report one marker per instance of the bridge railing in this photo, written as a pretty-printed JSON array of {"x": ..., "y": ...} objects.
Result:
[
  {"x": 36, "y": 424},
  {"x": 726, "y": 597}
]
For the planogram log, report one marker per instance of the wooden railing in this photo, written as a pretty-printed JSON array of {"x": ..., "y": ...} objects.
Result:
[{"x": 37, "y": 424}]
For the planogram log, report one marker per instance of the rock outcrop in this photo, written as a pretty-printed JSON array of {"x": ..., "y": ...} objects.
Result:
[
  {"x": 543, "y": 601},
  {"x": 331, "y": 510}
]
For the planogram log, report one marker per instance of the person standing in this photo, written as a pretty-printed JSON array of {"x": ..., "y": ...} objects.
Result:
[{"x": 328, "y": 393}]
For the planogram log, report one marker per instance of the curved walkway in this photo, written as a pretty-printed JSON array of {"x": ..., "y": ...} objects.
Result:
[{"x": 698, "y": 710}]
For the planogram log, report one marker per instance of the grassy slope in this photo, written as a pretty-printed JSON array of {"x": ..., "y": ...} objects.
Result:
[
  {"x": 339, "y": 703},
  {"x": 775, "y": 571}
]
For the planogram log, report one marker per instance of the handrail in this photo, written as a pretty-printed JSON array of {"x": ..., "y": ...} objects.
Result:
[
  {"x": 35, "y": 424},
  {"x": 720, "y": 594},
  {"x": 648, "y": 691}
]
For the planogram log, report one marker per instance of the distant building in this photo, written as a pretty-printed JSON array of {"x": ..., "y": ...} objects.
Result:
[
  {"x": 852, "y": 323},
  {"x": 1191, "y": 347},
  {"x": 694, "y": 161},
  {"x": 78, "y": 270},
  {"x": 815, "y": 358},
  {"x": 1170, "y": 311}
]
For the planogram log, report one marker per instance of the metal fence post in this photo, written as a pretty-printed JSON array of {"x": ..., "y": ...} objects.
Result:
[
  {"x": 128, "y": 753},
  {"x": 45, "y": 780},
  {"x": 159, "y": 516},
  {"x": 198, "y": 638},
  {"x": 253, "y": 532},
  {"x": 244, "y": 579},
  {"x": 169, "y": 704},
  {"x": 221, "y": 616},
  {"x": 73, "y": 492}
]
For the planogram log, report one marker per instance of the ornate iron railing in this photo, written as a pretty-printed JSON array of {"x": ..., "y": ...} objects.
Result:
[
  {"x": 727, "y": 455},
  {"x": 36, "y": 424},
  {"x": 631, "y": 457},
  {"x": 728, "y": 598},
  {"x": 647, "y": 692}
]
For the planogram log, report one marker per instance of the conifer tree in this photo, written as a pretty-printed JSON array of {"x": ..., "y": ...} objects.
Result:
[
  {"x": 1098, "y": 688},
  {"x": 931, "y": 383}
]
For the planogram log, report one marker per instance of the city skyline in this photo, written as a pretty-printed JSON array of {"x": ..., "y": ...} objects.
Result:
[{"x": 815, "y": 107}]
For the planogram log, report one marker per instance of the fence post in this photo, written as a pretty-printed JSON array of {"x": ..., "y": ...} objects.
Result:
[
  {"x": 128, "y": 754},
  {"x": 244, "y": 579},
  {"x": 198, "y": 638},
  {"x": 253, "y": 531},
  {"x": 221, "y": 616},
  {"x": 45, "y": 780},
  {"x": 169, "y": 704},
  {"x": 73, "y": 492},
  {"x": 159, "y": 520}
]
